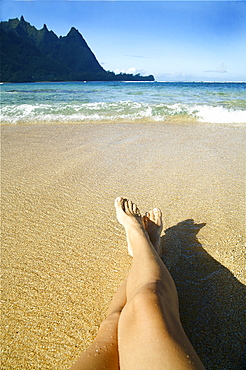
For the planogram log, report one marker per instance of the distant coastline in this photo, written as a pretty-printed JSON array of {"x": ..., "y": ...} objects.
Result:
[{"x": 31, "y": 55}]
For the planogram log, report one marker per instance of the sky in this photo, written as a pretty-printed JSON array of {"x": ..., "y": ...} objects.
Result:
[{"x": 173, "y": 40}]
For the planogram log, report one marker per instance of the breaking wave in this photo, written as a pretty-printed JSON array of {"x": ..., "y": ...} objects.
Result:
[{"x": 128, "y": 111}]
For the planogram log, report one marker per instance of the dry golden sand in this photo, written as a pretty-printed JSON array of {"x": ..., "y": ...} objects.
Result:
[{"x": 64, "y": 254}]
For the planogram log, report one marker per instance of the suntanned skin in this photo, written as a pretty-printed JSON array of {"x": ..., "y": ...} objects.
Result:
[{"x": 142, "y": 329}]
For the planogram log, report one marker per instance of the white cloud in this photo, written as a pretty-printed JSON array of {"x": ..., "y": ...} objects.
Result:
[
  {"x": 131, "y": 70},
  {"x": 221, "y": 69},
  {"x": 137, "y": 56}
]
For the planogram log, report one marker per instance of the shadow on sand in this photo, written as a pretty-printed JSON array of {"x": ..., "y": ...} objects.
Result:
[{"x": 212, "y": 300}]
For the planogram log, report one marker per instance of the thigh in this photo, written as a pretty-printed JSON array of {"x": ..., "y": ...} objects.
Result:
[
  {"x": 103, "y": 352},
  {"x": 150, "y": 336}
]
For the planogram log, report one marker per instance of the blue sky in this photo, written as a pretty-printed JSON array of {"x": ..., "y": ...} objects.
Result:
[{"x": 173, "y": 40}]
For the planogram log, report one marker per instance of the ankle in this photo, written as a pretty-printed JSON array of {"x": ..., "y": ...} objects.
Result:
[{"x": 136, "y": 231}]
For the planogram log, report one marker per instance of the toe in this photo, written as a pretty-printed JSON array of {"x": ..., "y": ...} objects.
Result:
[
  {"x": 145, "y": 220},
  {"x": 118, "y": 202},
  {"x": 135, "y": 209},
  {"x": 157, "y": 216},
  {"x": 151, "y": 215},
  {"x": 130, "y": 206},
  {"x": 157, "y": 212},
  {"x": 125, "y": 206},
  {"x": 138, "y": 211}
]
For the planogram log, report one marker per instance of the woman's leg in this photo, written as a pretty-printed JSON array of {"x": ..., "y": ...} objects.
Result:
[
  {"x": 103, "y": 352},
  {"x": 150, "y": 334}
]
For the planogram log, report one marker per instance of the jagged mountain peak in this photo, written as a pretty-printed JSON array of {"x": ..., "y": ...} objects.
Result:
[
  {"x": 29, "y": 54},
  {"x": 74, "y": 33},
  {"x": 73, "y": 30},
  {"x": 70, "y": 54}
]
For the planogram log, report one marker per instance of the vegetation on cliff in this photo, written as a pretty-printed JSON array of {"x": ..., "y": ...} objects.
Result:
[{"x": 29, "y": 55}]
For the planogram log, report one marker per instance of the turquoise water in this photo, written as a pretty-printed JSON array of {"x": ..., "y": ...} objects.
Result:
[{"x": 67, "y": 102}]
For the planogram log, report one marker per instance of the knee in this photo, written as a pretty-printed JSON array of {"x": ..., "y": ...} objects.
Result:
[
  {"x": 111, "y": 319},
  {"x": 148, "y": 294},
  {"x": 154, "y": 293},
  {"x": 151, "y": 301},
  {"x": 144, "y": 301}
]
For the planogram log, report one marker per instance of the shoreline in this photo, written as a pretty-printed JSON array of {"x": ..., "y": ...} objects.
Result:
[
  {"x": 64, "y": 254},
  {"x": 170, "y": 121}
]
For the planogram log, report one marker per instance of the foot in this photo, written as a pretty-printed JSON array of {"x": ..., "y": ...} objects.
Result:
[
  {"x": 153, "y": 225},
  {"x": 128, "y": 216}
]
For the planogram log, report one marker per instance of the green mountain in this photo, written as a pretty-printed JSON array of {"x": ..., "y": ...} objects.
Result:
[{"x": 29, "y": 55}]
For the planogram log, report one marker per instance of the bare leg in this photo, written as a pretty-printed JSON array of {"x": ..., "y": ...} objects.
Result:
[
  {"x": 150, "y": 334},
  {"x": 152, "y": 222},
  {"x": 103, "y": 352}
]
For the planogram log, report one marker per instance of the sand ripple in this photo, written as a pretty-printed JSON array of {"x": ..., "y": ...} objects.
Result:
[{"x": 64, "y": 254}]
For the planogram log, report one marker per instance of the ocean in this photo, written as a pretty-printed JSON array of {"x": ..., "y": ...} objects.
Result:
[{"x": 129, "y": 102}]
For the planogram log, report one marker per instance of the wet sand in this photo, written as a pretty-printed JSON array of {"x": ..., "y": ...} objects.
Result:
[{"x": 64, "y": 254}]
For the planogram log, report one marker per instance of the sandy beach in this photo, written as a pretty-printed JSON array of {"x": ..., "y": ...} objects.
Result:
[{"x": 64, "y": 254}]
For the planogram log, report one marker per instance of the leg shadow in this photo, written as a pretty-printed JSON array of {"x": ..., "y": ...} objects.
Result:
[{"x": 212, "y": 300}]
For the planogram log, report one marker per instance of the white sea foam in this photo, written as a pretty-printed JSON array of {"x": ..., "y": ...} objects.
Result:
[
  {"x": 129, "y": 111},
  {"x": 219, "y": 114}
]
